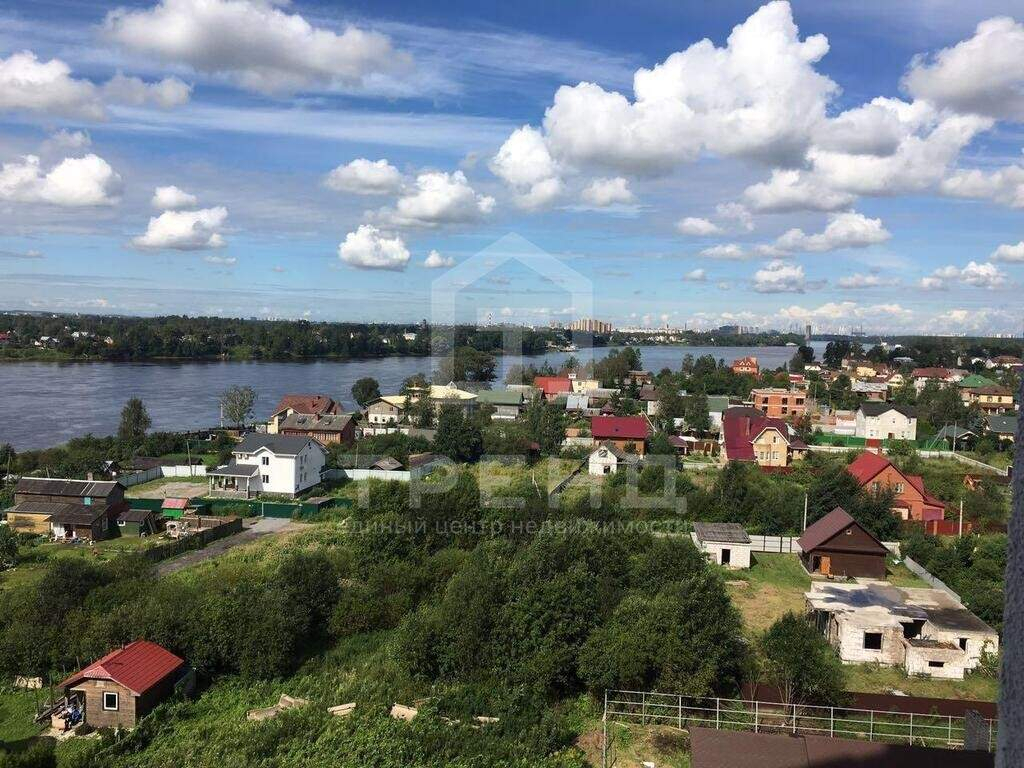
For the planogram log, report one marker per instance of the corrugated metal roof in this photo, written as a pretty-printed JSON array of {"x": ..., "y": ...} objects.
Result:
[
  {"x": 726, "y": 533},
  {"x": 138, "y": 667},
  {"x": 45, "y": 486},
  {"x": 831, "y": 525}
]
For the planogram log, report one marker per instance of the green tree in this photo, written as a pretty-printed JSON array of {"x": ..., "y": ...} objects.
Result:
[
  {"x": 365, "y": 390},
  {"x": 797, "y": 659},
  {"x": 237, "y": 403},
  {"x": 696, "y": 413},
  {"x": 135, "y": 422},
  {"x": 8, "y": 547},
  {"x": 835, "y": 351},
  {"x": 457, "y": 437}
]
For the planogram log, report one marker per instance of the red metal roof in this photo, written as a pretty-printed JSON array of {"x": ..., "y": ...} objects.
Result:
[
  {"x": 741, "y": 425},
  {"x": 138, "y": 667},
  {"x": 930, "y": 373},
  {"x": 174, "y": 504},
  {"x": 619, "y": 428},
  {"x": 552, "y": 385},
  {"x": 866, "y": 466},
  {"x": 317, "y": 405}
]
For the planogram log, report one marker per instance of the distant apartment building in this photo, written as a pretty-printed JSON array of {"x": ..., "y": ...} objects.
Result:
[
  {"x": 590, "y": 325},
  {"x": 778, "y": 403}
]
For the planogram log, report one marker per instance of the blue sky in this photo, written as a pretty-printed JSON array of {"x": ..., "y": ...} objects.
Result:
[{"x": 844, "y": 164}]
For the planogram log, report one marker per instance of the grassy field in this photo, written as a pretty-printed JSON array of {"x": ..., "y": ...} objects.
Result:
[
  {"x": 773, "y": 585},
  {"x": 899, "y": 575},
  {"x": 34, "y": 556},
  {"x": 16, "y": 711},
  {"x": 870, "y": 678}
]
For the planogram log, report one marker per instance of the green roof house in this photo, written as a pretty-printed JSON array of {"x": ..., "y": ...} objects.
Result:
[
  {"x": 508, "y": 404},
  {"x": 976, "y": 380}
]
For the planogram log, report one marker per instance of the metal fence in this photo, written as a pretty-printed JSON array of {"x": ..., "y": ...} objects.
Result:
[
  {"x": 920, "y": 571},
  {"x": 680, "y": 711},
  {"x": 784, "y": 544}
]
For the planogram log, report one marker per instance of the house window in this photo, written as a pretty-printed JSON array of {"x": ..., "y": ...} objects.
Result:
[
  {"x": 963, "y": 643},
  {"x": 266, "y": 461},
  {"x": 266, "y": 478},
  {"x": 872, "y": 641},
  {"x": 899, "y": 487},
  {"x": 936, "y": 664},
  {"x": 110, "y": 701}
]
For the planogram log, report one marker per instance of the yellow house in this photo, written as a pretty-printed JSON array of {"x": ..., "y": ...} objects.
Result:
[
  {"x": 585, "y": 385},
  {"x": 389, "y": 409},
  {"x": 991, "y": 399},
  {"x": 771, "y": 448}
]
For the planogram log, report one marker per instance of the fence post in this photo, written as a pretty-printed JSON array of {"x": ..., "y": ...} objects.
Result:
[
  {"x": 718, "y": 713},
  {"x": 911, "y": 727},
  {"x": 643, "y": 707},
  {"x": 680, "y": 712},
  {"x": 755, "y": 716},
  {"x": 871, "y": 731},
  {"x": 949, "y": 734},
  {"x": 831, "y": 721},
  {"x": 604, "y": 734}
]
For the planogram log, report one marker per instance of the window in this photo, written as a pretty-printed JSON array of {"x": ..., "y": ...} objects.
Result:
[
  {"x": 936, "y": 664},
  {"x": 872, "y": 641},
  {"x": 963, "y": 643},
  {"x": 110, "y": 701},
  {"x": 266, "y": 478},
  {"x": 266, "y": 461}
]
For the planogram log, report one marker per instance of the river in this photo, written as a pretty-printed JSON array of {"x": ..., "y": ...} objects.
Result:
[{"x": 46, "y": 404}]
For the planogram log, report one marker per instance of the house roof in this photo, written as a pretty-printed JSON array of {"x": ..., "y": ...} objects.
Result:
[
  {"x": 135, "y": 516},
  {"x": 138, "y": 666},
  {"x": 552, "y": 385},
  {"x": 619, "y": 427},
  {"x": 500, "y": 397},
  {"x": 42, "y": 507},
  {"x": 308, "y": 404},
  {"x": 234, "y": 469},
  {"x": 974, "y": 381},
  {"x": 953, "y": 431},
  {"x": 174, "y": 504},
  {"x": 388, "y": 463},
  {"x": 450, "y": 392},
  {"x": 990, "y": 389},
  {"x": 741, "y": 425},
  {"x": 877, "y": 409},
  {"x": 617, "y": 452},
  {"x": 1002, "y": 424},
  {"x": 286, "y": 445},
  {"x": 868, "y": 465},
  {"x": 831, "y": 525},
  {"x": 931, "y": 373},
  {"x": 45, "y": 486},
  {"x": 420, "y": 459},
  {"x": 712, "y": 748},
  {"x": 307, "y": 423},
  {"x": 78, "y": 514},
  {"x": 717, "y": 403},
  {"x": 724, "y": 533}
]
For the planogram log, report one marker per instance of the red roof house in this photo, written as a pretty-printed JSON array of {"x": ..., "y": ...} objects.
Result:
[
  {"x": 621, "y": 431},
  {"x": 749, "y": 435},
  {"x": 875, "y": 473},
  {"x": 307, "y": 405},
  {"x": 123, "y": 686},
  {"x": 553, "y": 386}
]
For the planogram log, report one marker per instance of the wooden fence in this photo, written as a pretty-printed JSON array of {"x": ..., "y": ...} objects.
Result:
[{"x": 198, "y": 540}]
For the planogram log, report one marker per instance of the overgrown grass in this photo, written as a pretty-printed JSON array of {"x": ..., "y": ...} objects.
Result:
[
  {"x": 17, "y": 709},
  {"x": 871, "y": 678},
  {"x": 775, "y": 584}
]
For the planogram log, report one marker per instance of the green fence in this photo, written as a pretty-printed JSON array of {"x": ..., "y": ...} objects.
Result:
[{"x": 247, "y": 507}]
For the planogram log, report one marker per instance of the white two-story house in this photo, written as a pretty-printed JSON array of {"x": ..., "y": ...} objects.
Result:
[
  {"x": 285, "y": 465},
  {"x": 886, "y": 421}
]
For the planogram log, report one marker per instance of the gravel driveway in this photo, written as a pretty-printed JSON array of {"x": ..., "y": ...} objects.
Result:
[{"x": 255, "y": 528}]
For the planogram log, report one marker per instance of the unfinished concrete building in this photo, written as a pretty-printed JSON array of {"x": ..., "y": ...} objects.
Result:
[{"x": 925, "y": 631}]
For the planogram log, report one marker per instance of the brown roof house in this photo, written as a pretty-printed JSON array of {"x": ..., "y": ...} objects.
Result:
[
  {"x": 66, "y": 509},
  {"x": 837, "y": 545},
  {"x": 125, "y": 685},
  {"x": 332, "y": 429},
  {"x": 306, "y": 405}
]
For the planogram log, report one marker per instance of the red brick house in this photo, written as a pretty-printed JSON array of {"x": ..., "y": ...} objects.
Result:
[
  {"x": 746, "y": 365},
  {"x": 874, "y": 472},
  {"x": 749, "y": 435},
  {"x": 627, "y": 433},
  {"x": 125, "y": 685}
]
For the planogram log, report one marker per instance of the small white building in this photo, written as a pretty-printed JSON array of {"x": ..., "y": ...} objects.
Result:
[
  {"x": 725, "y": 544},
  {"x": 607, "y": 458},
  {"x": 278, "y": 464},
  {"x": 925, "y": 631},
  {"x": 886, "y": 421}
]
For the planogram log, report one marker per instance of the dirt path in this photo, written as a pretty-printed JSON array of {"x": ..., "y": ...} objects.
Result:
[{"x": 263, "y": 526}]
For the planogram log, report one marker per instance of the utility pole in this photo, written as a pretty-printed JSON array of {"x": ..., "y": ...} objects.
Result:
[
  {"x": 960, "y": 530},
  {"x": 805, "y": 513},
  {"x": 188, "y": 453}
]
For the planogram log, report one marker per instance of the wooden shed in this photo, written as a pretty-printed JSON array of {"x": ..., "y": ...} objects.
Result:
[
  {"x": 837, "y": 545},
  {"x": 125, "y": 685}
]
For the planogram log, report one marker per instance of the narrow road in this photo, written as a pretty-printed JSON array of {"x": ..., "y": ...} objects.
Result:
[{"x": 264, "y": 526}]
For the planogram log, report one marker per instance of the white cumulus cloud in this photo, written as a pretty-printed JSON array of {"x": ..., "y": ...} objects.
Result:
[
  {"x": 844, "y": 230},
  {"x": 986, "y": 275},
  {"x": 71, "y": 183},
  {"x": 184, "y": 230},
  {"x": 165, "y": 94},
  {"x": 983, "y": 74},
  {"x": 172, "y": 198},
  {"x": 859, "y": 281},
  {"x": 1011, "y": 253},
  {"x": 365, "y": 177},
  {"x": 605, "y": 192},
  {"x": 725, "y": 251},
  {"x": 435, "y": 260},
  {"x": 698, "y": 227},
  {"x": 696, "y": 276},
  {"x": 1004, "y": 185},
  {"x": 780, "y": 277},
  {"x": 369, "y": 248},
  {"x": 256, "y": 44},
  {"x": 526, "y": 165},
  {"x": 439, "y": 198},
  {"x": 791, "y": 190}
]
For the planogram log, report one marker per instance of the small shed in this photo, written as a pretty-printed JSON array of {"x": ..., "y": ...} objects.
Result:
[
  {"x": 137, "y": 522},
  {"x": 837, "y": 545},
  {"x": 726, "y": 544},
  {"x": 173, "y": 508},
  {"x": 607, "y": 458},
  {"x": 125, "y": 685}
]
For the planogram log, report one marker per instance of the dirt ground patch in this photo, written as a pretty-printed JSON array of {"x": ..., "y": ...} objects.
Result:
[
  {"x": 169, "y": 489},
  {"x": 630, "y": 746}
]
